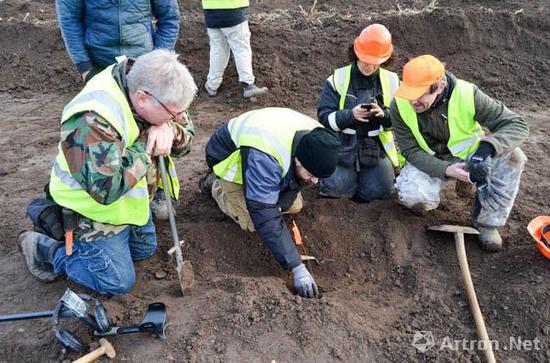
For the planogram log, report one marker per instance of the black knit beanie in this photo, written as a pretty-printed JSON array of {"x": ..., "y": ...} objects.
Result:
[{"x": 318, "y": 152}]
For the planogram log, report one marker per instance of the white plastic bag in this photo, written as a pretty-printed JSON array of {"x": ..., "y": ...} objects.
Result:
[{"x": 418, "y": 188}]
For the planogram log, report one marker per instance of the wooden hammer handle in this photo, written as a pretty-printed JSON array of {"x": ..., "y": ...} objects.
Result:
[
  {"x": 472, "y": 298},
  {"x": 90, "y": 357}
]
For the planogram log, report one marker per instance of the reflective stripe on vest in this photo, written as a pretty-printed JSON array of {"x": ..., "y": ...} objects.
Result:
[
  {"x": 224, "y": 4},
  {"x": 102, "y": 95},
  {"x": 464, "y": 131},
  {"x": 174, "y": 185},
  {"x": 270, "y": 130},
  {"x": 389, "y": 81}
]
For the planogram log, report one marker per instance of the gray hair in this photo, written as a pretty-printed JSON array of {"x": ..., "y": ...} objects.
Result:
[{"x": 160, "y": 73}]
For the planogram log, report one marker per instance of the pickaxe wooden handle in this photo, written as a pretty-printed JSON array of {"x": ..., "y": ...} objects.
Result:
[{"x": 472, "y": 298}]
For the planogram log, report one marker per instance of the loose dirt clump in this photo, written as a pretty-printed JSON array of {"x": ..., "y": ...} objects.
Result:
[{"x": 382, "y": 277}]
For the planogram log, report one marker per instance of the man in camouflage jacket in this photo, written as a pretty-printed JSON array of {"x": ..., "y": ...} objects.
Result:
[{"x": 103, "y": 165}]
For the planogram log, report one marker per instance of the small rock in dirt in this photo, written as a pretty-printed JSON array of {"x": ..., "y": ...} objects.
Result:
[
  {"x": 456, "y": 292},
  {"x": 160, "y": 274},
  {"x": 298, "y": 299}
]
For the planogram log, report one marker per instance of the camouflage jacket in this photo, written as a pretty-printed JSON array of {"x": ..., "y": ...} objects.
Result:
[{"x": 90, "y": 144}]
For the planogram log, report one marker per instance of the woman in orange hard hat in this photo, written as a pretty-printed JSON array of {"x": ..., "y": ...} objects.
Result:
[{"x": 354, "y": 102}]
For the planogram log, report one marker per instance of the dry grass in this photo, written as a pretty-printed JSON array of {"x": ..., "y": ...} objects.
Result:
[{"x": 314, "y": 17}]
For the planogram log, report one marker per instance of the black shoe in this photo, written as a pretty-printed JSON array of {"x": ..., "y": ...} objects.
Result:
[
  {"x": 28, "y": 245},
  {"x": 205, "y": 184}
]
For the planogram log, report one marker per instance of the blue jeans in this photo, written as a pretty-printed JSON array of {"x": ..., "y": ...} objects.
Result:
[
  {"x": 106, "y": 265},
  {"x": 369, "y": 183}
]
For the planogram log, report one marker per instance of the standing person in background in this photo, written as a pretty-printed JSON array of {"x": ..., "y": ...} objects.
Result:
[
  {"x": 96, "y": 32},
  {"x": 354, "y": 102},
  {"x": 227, "y": 26}
]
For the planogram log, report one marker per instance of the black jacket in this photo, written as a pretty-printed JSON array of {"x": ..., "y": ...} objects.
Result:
[
  {"x": 360, "y": 90},
  {"x": 225, "y": 18}
]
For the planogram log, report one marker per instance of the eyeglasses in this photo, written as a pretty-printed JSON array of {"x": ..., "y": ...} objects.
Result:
[{"x": 174, "y": 116}]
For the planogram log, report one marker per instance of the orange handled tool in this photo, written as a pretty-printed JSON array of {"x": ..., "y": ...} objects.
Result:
[
  {"x": 69, "y": 224},
  {"x": 297, "y": 234}
]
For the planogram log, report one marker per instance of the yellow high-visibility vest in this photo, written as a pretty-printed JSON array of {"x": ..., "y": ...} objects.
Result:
[
  {"x": 224, "y": 4},
  {"x": 465, "y": 132},
  {"x": 103, "y": 96},
  {"x": 340, "y": 81},
  {"x": 270, "y": 130}
]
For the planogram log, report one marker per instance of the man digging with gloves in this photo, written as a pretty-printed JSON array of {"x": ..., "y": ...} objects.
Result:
[{"x": 260, "y": 160}]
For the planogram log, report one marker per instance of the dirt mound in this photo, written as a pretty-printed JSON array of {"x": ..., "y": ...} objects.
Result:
[
  {"x": 383, "y": 278},
  {"x": 295, "y": 48}
]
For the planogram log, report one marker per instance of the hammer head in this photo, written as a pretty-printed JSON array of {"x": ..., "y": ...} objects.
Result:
[
  {"x": 109, "y": 350},
  {"x": 454, "y": 229}
]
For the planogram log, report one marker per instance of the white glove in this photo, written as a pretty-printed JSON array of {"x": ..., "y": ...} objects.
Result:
[{"x": 304, "y": 282}]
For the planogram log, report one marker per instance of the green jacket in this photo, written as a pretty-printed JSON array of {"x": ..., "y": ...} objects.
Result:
[{"x": 508, "y": 130}]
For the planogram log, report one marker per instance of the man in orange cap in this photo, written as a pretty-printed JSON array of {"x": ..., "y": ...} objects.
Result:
[
  {"x": 437, "y": 121},
  {"x": 354, "y": 102}
]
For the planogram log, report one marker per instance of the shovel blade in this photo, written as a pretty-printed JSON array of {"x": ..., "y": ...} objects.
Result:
[
  {"x": 186, "y": 276},
  {"x": 454, "y": 229}
]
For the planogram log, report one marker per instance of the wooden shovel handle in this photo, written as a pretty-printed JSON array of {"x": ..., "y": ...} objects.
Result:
[{"x": 472, "y": 298}]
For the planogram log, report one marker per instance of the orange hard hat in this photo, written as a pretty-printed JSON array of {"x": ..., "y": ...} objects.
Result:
[
  {"x": 373, "y": 45},
  {"x": 418, "y": 75},
  {"x": 539, "y": 228}
]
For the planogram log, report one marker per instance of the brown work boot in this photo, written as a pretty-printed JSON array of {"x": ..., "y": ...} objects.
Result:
[
  {"x": 489, "y": 239},
  {"x": 206, "y": 182}
]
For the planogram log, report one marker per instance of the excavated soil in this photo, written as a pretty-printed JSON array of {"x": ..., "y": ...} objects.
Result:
[{"x": 382, "y": 276}]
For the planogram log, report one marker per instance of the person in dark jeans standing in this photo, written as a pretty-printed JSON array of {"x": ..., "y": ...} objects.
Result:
[{"x": 354, "y": 102}]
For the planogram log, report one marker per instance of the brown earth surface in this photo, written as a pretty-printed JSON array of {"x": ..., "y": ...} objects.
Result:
[{"x": 383, "y": 277}]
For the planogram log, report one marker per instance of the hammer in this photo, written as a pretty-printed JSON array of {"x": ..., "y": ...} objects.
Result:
[
  {"x": 459, "y": 232},
  {"x": 106, "y": 348}
]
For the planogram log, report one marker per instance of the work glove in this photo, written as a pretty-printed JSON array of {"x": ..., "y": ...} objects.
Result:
[
  {"x": 480, "y": 163},
  {"x": 304, "y": 282}
]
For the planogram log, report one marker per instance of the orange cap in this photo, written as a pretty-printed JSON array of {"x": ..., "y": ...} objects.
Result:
[
  {"x": 418, "y": 75},
  {"x": 373, "y": 45},
  {"x": 535, "y": 228}
]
